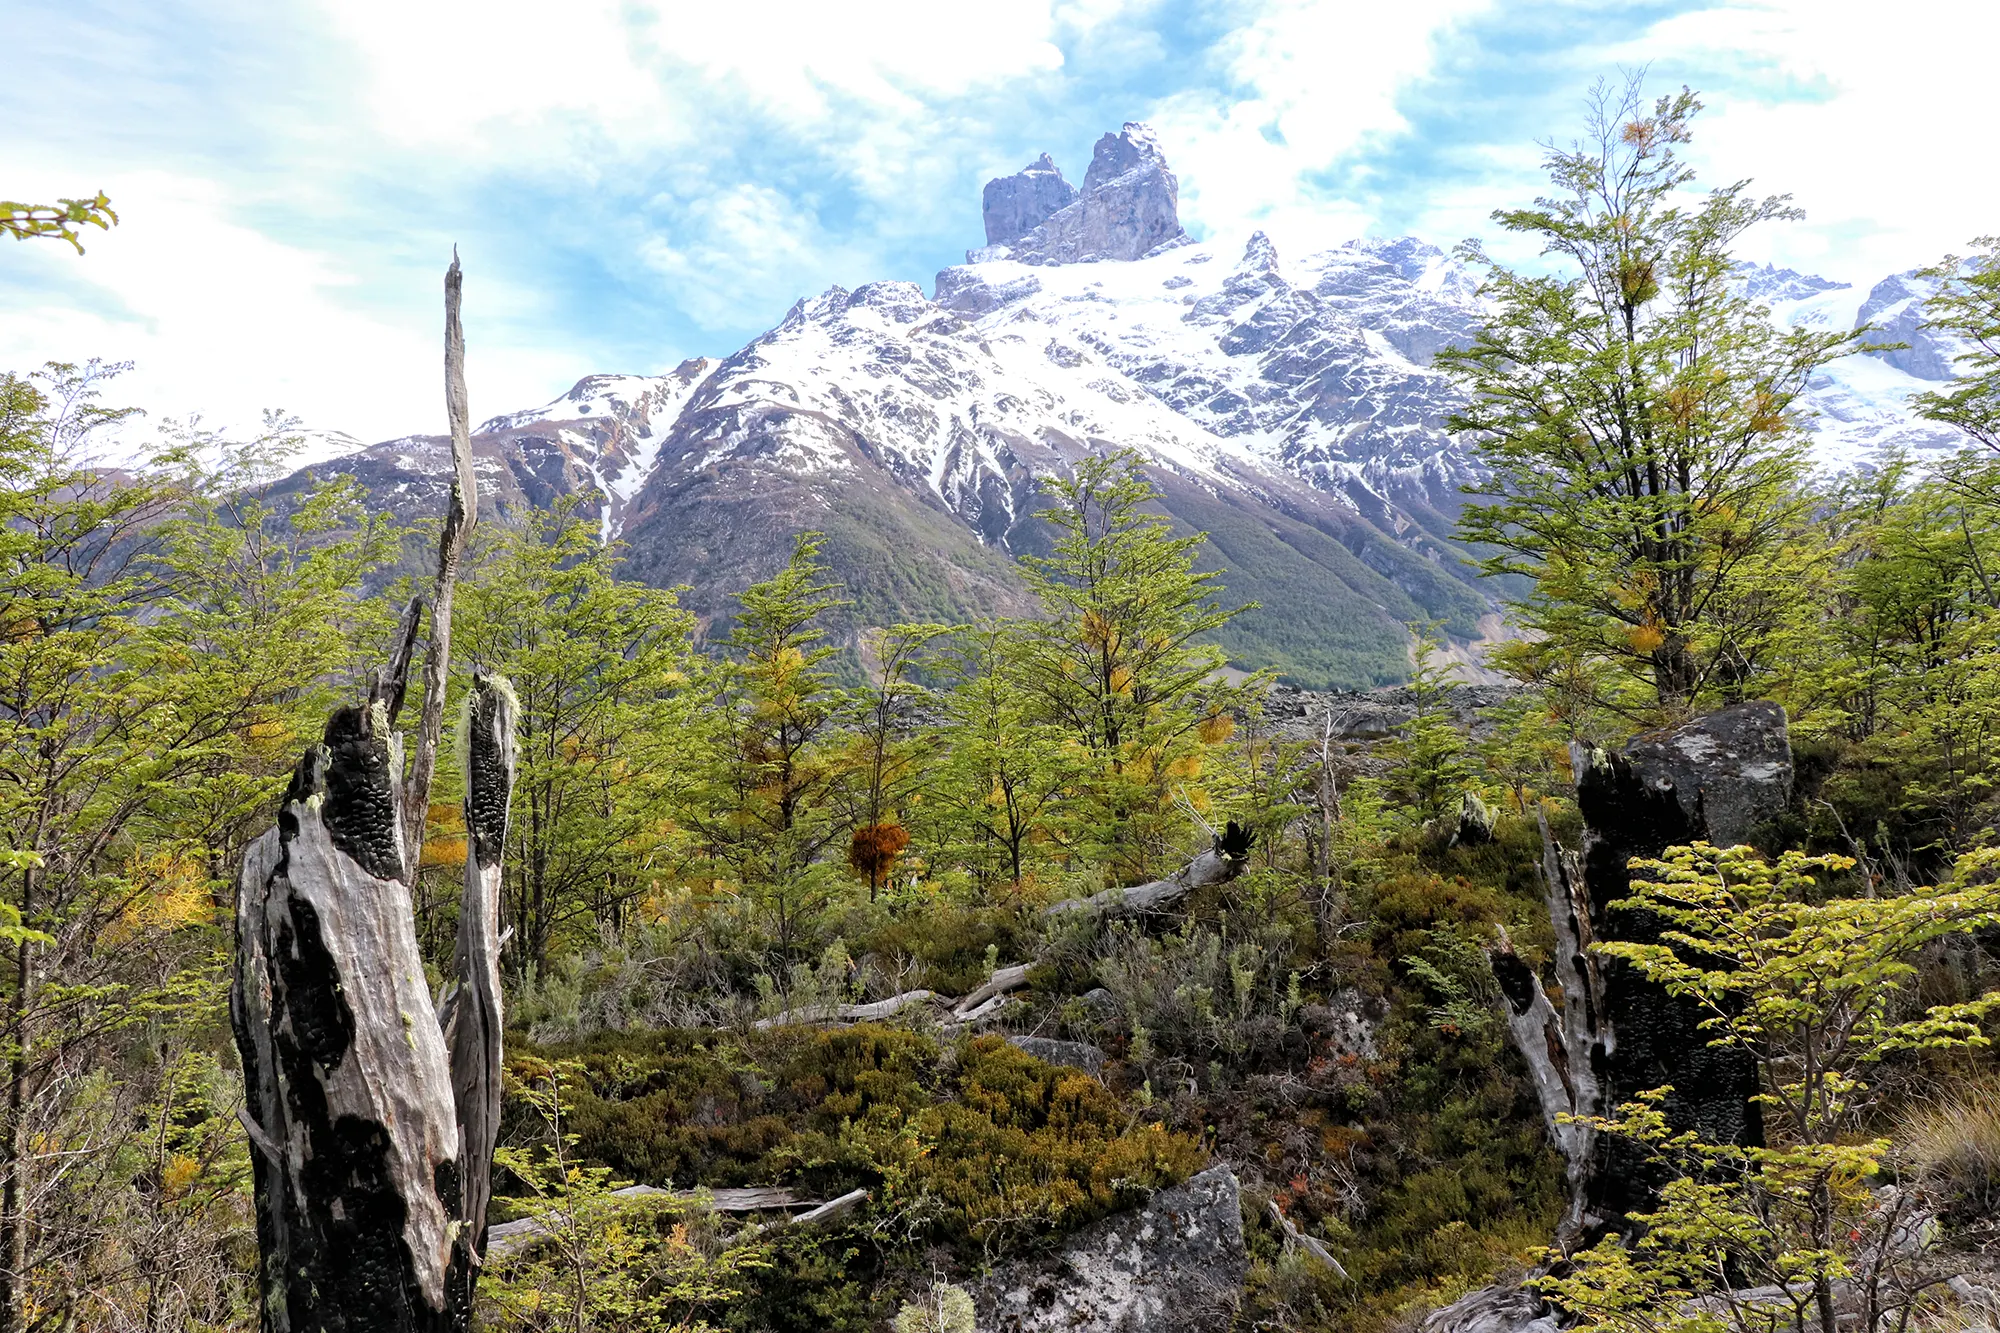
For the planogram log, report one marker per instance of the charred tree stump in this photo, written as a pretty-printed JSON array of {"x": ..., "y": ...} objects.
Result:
[
  {"x": 371, "y": 1122},
  {"x": 1617, "y": 1034}
]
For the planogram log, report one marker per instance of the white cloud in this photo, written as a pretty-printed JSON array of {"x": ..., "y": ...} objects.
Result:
[
  {"x": 1317, "y": 80},
  {"x": 1886, "y": 151},
  {"x": 224, "y": 322}
]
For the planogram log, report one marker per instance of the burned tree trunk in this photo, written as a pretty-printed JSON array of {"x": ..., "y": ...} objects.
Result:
[
  {"x": 471, "y": 1016},
  {"x": 1617, "y": 1034},
  {"x": 346, "y": 1080},
  {"x": 372, "y": 1123}
]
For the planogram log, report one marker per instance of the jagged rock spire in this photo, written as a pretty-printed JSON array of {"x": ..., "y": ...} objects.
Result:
[{"x": 1128, "y": 207}]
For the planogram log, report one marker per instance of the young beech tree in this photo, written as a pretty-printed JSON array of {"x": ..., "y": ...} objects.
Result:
[
  {"x": 1006, "y": 769},
  {"x": 890, "y": 737},
  {"x": 1121, "y": 661},
  {"x": 164, "y": 645},
  {"x": 1817, "y": 991},
  {"x": 1637, "y": 415},
  {"x": 601, "y": 669},
  {"x": 764, "y": 810}
]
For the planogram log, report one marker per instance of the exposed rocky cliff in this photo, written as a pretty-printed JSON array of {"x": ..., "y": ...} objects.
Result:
[{"x": 1129, "y": 206}]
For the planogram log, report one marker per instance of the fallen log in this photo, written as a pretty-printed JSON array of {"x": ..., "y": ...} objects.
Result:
[
  {"x": 1003, "y": 979},
  {"x": 1221, "y": 863},
  {"x": 509, "y": 1237},
  {"x": 846, "y": 1013}
]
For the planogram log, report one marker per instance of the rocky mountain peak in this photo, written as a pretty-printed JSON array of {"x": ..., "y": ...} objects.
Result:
[
  {"x": 1015, "y": 205},
  {"x": 1129, "y": 207},
  {"x": 1134, "y": 148}
]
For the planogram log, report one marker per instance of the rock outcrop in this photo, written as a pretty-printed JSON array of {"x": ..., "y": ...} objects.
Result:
[
  {"x": 1015, "y": 205},
  {"x": 1176, "y": 1262},
  {"x": 1129, "y": 207}
]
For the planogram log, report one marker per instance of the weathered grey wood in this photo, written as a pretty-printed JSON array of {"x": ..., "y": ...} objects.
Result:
[
  {"x": 472, "y": 1020},
  {"x": 847, "y": 1013},
  {"x": 1563, "y": 1048},
  {"x": 1003, "y": 979},
  {"x": 1218, "y": 865},
  {"x": 461, "y": 513},
  {"x": 347, "y": 1085},
  {"x": 831, "y": 1209},
  {"x": 1295, "y": 1236},
  {"x": 510, "y": 1237}
]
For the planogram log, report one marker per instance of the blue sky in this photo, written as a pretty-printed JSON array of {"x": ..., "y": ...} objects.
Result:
[{"x": 632, "y": 183}]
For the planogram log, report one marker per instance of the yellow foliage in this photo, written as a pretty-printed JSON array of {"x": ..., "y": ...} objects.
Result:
[
  {"x": 1216, "y": 728},
  {"x": 180, "y": 1172},
  {"x": 1644, "y": 638},
  {"x": 172, "y": 891},
  {"x": 1187, "y": 766},
  {"x": 442, "y": 852}
]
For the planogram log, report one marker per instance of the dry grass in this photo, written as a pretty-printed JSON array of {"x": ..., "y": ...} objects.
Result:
[{"x": 1953, "y": 1145}]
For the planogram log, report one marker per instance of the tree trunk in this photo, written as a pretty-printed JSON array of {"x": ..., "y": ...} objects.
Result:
[
  {"x": 472, "y": 1019},
  {"x": 347, "y": 1085},
  {"x": 1565, "y": 1048},
  {"x": 372, "y": 1123},
  {"x": 1218, "y": 865},
  {"x": 14, "y": 1139},
  {"x": 460, "y": 514}
]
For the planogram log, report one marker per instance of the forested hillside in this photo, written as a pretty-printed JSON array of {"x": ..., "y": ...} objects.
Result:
[{"x": 1029, "y": 969}]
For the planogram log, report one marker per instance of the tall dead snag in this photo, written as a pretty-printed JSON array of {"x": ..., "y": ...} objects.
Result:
[
  {"x": 461, "y": 512},
  {"x": 1564, "y": 1048},
  {"x": 372, "y": 1117}
]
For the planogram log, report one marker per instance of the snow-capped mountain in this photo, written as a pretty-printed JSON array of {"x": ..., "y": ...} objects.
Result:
[{"x": 1286, "y": 405}]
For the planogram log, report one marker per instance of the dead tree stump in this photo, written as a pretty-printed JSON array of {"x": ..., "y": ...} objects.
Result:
[{"x": 372, "y": 1123}]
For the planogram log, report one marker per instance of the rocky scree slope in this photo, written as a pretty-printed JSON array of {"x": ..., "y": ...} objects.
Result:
[{"x": 1287, "y": 407}]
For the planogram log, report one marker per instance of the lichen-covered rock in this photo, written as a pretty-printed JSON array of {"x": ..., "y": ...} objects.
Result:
[
  {"x": 1073, "y": 1054},
  {"x": 1175, "y": 1262}
]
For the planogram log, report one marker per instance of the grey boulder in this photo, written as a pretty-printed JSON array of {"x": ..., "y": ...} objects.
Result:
[{"x": 1176, "y": 1262}]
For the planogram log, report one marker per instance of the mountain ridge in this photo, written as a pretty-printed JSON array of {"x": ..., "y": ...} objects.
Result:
[{"x": 1288, "y": 407}]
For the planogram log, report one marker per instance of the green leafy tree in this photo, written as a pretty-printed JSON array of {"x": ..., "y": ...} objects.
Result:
[
  {"x": 1816, "y": 990},
  {"x": 157, "y": 661},
  {"x": 1967, "y": 306},
  {"x": 1006, "y": 770},
  {"x": 1639, "y": 417},
  {"x": 765, "y": 809},
  {"x": 890, "y": 734},
  {"x": 1429, "y": 764},
  {"x": 64, "y": 219},
  {"x": 1121, "y": 659},
  {"x": 602, "y": 670}
]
